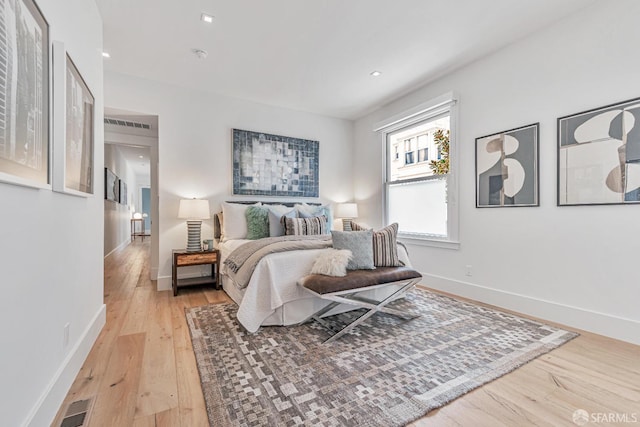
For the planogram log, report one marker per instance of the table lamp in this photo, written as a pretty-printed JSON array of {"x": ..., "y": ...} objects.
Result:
[
  {"x": 346, "y": 211},
  {"x": 194, "y": 211}
]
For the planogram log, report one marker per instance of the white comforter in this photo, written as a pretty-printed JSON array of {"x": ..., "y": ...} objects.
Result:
[{"x": 274, "y": 282}]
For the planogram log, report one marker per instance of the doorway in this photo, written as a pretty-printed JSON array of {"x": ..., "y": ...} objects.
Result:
[{"x": 135, "y": 137}]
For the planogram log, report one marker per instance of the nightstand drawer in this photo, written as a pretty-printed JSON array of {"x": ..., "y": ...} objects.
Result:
[{"x": 198, "y": 258}]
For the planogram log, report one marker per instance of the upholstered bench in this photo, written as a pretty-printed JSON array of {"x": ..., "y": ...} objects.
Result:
[{"x": 344, "y": 290}]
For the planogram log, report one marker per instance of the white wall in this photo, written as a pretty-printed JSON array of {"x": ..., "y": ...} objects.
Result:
[
  {"x": 51, "y": 257},
  {"x": 195, "y": 148},
  {"x": 575, "y": 265},
  {"x": 117, "y": 216}
]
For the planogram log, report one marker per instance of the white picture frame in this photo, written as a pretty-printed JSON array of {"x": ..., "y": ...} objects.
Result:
[
  {"x": 25, "y": 137},
  {"x": 74, "y": 128}
]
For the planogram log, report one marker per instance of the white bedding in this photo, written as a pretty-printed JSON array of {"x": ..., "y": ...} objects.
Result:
[{"x": 273, "y": 296}]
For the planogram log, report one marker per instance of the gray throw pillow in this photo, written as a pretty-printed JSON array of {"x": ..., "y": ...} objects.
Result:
[
  {"x": 360, "y": 243},
  {"x": 276, "y": 226}
]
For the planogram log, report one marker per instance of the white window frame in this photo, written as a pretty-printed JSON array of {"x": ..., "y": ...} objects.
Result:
[{"x": 446, "y": 103}]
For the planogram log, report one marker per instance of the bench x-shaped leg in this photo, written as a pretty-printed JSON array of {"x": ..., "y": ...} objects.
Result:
[{"x": 372, "y": 306}]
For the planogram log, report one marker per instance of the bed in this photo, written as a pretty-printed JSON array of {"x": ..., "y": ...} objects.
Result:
[{"x": 272, "y": 295}]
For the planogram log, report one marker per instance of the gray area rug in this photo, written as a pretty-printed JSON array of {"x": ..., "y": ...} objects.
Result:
[{"x": 387, "y": 372}]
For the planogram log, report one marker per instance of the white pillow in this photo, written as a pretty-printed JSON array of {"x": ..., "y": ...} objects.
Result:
[
  {"x": 332, "y": 262},
  {"x": 276, "y": 212},
  {"x": 234, "y": 225}
]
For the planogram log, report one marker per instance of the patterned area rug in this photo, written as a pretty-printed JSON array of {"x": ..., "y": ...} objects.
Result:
[{"x": 387, "y": 372}]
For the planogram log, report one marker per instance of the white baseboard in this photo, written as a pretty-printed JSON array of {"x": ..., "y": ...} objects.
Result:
[
  {"x": 600, "y": 323},
  {"x": 164, "y": 283},
  {"x": 117, "y": 248},
  {"x": 46, "y": 408}
]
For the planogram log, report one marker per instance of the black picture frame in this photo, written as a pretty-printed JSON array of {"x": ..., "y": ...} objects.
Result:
[
  {"x": 598, "y": 159},
  {"x": 111, "y": 186},
  {"x": 507, "y": 168}
]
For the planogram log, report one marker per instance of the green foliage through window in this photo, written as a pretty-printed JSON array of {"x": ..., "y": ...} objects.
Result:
[{"x": 441, "y": 166}]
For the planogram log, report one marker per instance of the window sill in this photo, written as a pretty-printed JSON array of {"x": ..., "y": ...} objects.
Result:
[{"x": 430, "y": 241}]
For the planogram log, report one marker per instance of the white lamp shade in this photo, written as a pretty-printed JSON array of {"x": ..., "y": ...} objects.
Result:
[
  {"x": 194, "y": 209},
  {"x": 346, "y": 210},
  {"x": 137, "y": 215}
]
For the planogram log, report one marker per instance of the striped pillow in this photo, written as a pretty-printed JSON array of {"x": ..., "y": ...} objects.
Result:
[
  {"x": 385, "y": 247},
  {"x": 357, "y": 227},
  {"x": 305, "y": 226}
]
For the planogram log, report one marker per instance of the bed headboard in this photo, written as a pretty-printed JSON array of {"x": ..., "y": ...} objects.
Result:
[
  {"x": 289, "y": 204},
  {"x": 217, "y": 226}
]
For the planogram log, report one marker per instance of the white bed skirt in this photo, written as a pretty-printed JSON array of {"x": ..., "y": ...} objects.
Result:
[
  {"x": 294, "y": 312},
  {"x": 273, "y": 296}
]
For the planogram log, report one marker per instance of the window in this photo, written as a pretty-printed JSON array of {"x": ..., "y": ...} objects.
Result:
[
  {"x": 419, "y": 197},
  {"x": 408, "y": 158},
  {"x": 423, "y": 149}
]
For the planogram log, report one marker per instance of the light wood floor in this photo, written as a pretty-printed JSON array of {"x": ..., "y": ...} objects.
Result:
[{"x": 142, "y": 371}]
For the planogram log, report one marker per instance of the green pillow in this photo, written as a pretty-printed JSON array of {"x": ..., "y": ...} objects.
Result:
[{"x": 257, "y": 222}]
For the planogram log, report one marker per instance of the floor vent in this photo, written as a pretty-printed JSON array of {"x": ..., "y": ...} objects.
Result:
[
  {"x": 126, "y": 123},
  {"x": 77, "y": 414}
]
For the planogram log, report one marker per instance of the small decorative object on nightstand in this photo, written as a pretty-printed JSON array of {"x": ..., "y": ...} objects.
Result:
[
  {"x": 182, "y": 258},
  {"x": 194, "y": 211},
  {"x": 346, "y": 211}
]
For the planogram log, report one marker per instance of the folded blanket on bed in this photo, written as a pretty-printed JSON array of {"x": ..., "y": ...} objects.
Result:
[{"x": 243, "y": 261}]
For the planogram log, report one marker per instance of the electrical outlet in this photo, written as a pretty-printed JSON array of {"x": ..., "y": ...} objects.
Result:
[
  {"x": 65, "y": 340},
  {"x": 467, "y": 271}
]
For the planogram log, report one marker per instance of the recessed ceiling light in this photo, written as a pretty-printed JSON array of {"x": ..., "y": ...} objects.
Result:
[
  {"x": 106, "y": 54},
  {"x": 200, "y": 53},
  {"x": 206, "y": 18},
  {"x": 375, "y": 73}
]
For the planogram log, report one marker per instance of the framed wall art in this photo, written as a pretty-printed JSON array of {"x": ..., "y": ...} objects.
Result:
[
  {"x": 111, "y": 186},
  {"x": 123, "y": 193},
  {"x": 507, "y": 168},
  {"x": 73, "y": 145},
  {"x": 274, "y": 165},
  {"x": 599, "y": 156},
  {"x": 24, "y": 95}
]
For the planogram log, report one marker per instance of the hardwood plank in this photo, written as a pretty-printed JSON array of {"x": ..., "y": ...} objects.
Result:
[
  {"x": 171, "y": 418},
  {"x": 148, "y": 421},
  {"x": 216, "y": 296},
  {"x": 193, "y": 411},
  {"x": 158, "y": 389},
  {"x": 121, "y": 381},
  {"x": 136, "y": 317}
]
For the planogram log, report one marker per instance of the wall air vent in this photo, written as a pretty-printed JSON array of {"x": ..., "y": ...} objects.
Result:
[{"x": 126, "y": 123}]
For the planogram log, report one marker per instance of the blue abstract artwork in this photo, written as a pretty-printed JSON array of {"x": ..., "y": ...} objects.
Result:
[{"x": 274, "y": 165}]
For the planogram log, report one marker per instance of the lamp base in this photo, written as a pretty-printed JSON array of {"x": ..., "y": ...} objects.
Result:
[
  {"x": 346, "y": 224},
  {"x": 194, "y": 244}
]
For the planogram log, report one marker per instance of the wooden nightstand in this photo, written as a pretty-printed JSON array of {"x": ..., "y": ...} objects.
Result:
[{"x": 182, "y": 258}]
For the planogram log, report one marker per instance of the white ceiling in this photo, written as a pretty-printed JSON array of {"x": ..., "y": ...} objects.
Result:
[
  {"x": 314, "y": 55},
  {"x": 131, "y": 154}
]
